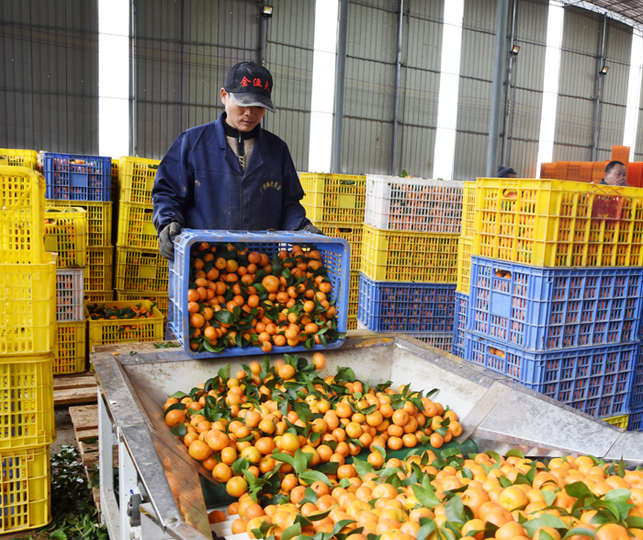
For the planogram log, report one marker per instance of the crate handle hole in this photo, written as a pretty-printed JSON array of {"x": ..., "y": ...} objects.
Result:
[
  {"x": 347, "y": 182},
  {"x": 509, "y": 193},
  {"x": 344, "y": 230},
  {"x": 496, "y": 352},
  {"x": 498, "y": 272}
]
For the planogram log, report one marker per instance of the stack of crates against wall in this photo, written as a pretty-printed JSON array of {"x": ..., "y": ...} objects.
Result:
[
  {"x": 335, "y": 204},
  {"x": 409, "y": 257},
  {"x": 141, "y": 272},
  {"x": 570, "y": 333},
  {"x": 27, "y": 337},
  {"x": 99, "y": 262}
]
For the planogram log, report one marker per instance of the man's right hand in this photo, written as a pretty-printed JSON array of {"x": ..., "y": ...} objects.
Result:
[{"x": 166, "y": 237}]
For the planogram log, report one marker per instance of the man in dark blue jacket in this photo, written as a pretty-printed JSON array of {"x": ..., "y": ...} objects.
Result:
[{"x": 230, "y": 174}]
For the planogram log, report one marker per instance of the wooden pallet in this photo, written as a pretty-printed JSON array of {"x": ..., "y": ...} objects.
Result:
[
  {"x": 75, "y": 389},
  {"x": 85, "y": 422}
]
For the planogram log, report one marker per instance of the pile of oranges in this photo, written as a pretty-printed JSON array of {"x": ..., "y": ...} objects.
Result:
[
  {"x": 308, "y": 456},
  {"x": 240, "y": 298}
]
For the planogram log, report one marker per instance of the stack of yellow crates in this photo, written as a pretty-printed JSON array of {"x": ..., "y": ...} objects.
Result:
[
  {"x": 409, "y": 257},
  {"x": 141, "y": 270},
  {"x": 335, "y": 204},
  {"x": 27, "y": 337},
  {"x": 66, "y": 235}
]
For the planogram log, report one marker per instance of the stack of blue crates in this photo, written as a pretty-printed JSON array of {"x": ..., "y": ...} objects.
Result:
[{"x": 569, "y": 333}]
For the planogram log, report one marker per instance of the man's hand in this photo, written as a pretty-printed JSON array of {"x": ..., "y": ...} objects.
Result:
[
  {"x": 312, "y": 229},
  {"x": 166, "y": 238}
]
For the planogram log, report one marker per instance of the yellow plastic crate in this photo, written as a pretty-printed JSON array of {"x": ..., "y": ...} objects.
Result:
[
  {"x": 66, "y": 234},
  {"x": 26, "y": 401},
  {"x": 620, "y": 421},
  {"x": 20, "y": 158},
  {"x": 98, "y": 296},
  {"x": 103, "y": 332},
  {"x": 468, "y": 208},
  {"x": 136, "y": 179},
  {"x": 99, "y": 271},
  {"x": 99, "y": 219},
  {"x": 141, "y": 270},
  {"x": 71, "y": 348},
  {"x": 28, "y": 307},
  {"x": 162, "y": 301},
  {"x": 408, "y": 256},
  {"x": 22, "y": 200},
  {"x": 25, "y": 501},
  {"x": 353, "y": 295},
  {"x": 339, "y": 198},
  {"x": 135, "y": 226},
  {"x": 464, "y": 264},
  {"x": 351, "y": 323},
  {"x": 352, "y": 233},
  {"x": 550, "y": 223}
]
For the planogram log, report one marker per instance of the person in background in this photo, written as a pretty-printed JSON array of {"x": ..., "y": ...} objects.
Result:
[
  {"x": 615, "y": 174},
  {"x": 505, "y": 172},
  {"x": 230, "y": 174}
]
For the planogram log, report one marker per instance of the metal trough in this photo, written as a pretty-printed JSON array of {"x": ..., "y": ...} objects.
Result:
[{"x": 160, "y": 494}]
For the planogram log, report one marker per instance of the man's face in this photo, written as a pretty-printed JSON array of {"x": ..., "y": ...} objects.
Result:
[
  {"x": 616, "y": 177},
  {"x": 242, "y": 118}
]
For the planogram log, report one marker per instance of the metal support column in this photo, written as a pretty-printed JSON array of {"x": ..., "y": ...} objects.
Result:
[
  {"x": 496, "y": 91},
  {"x": 598, "y": 87},
  {"x": 263, "y": 37},
  {"x": 339, "y": 93},
  {"x": 508, "y": 91},
  {"x": 398, "y": 69}
]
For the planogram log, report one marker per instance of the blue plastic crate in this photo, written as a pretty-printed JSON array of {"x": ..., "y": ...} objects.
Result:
[
  {"x": 439, "y": 340},
  {"x": 77, "y": 178},
  {"x": 636, "y": 420},
  {"x": 545, "y": 309},
  {"x": 636, "y": 399},
  {"x": 335, "y": 254},
  {"x": 457, "y": 350},
  {"x": 405, "y": 307},
  {"x": 595, "y": 380},
  {"x": 459, "y": 320}
]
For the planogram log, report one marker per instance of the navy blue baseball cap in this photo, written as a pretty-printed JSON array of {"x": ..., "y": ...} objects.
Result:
[{"x": 250, "y": 85}]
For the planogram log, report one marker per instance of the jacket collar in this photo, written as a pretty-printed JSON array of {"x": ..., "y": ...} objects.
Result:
[{"x": 255, "y": 161}]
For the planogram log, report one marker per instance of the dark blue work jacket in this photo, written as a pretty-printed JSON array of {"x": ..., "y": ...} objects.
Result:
[{"x": 201, "y": 185}]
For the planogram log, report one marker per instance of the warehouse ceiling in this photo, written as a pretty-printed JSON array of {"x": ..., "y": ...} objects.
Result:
[{"x": 627, "y": 11}]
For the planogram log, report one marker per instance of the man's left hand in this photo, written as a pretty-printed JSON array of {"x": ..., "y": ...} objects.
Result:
[{"x": 312, "y": 229}]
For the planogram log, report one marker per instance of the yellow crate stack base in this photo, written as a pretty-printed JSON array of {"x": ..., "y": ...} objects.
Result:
[
  {"x": 558, "y": 223},
  {"x": 71, "y": 348},
  {"x": 106, "y": 331},
  {"x": 620, "y": 421},
  {"x": 26, "y": 502},
  {"x": 99, "y": 219},
  {"x": 338, "y": 198},
  {"x": 28, "y": 307},
  {"x": 26, "y": 401},
  {"x": 407, "y": 256}
]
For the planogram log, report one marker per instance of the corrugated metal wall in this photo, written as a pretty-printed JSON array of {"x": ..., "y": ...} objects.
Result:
[
  {"x": 523, "y": 128},
  {"x": 182, "y": 50},
  {"x": 49, "y": 93}
]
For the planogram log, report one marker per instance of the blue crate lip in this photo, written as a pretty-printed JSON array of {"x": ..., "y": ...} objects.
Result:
[
  {"x": 335, "y": 255},
  {"x": 606, "y": 303},
  {"x": 402, "y": 306},
  {"x": 579, "y": 377},
  {"x": 88, "y": 181}
]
